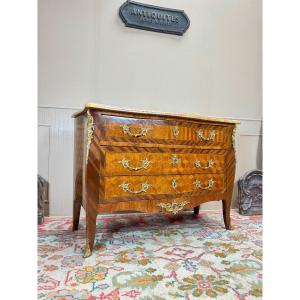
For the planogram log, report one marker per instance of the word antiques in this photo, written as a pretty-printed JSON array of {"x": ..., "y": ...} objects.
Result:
[{"x": 154, "y": 18}]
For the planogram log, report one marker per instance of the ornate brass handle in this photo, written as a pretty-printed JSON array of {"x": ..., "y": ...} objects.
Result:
[
  {"x": 197, "y": 164},
  {"x": 173, "y": 207},
  {"x": 144, "y": 188},
  {"x": 127, "y": 130},
  {"x": 211, "y": 135},
  {"x": 125, "y": 163},
  {"x": 198, "y": 184}
]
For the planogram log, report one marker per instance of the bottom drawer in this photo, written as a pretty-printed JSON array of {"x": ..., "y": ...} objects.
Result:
[{"x": 140, "y": 186}]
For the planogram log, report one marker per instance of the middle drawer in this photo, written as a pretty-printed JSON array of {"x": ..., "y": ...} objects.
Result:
[{"x": 143, "y": 162}]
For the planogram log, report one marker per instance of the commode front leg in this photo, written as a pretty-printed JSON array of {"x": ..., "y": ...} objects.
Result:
[{"x": 91, "y": 217}]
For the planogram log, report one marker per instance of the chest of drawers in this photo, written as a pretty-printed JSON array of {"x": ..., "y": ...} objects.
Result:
[{"x": 151, "y": 162}]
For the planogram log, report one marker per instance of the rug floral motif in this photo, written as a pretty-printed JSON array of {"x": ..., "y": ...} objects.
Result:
[{"x": 152, "y": 257}]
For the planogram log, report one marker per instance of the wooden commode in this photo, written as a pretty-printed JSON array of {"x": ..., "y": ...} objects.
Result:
[{"x": 149, "y": 161}]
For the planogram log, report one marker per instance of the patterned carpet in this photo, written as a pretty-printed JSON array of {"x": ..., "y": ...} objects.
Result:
[{"x": 152, "y": 257}]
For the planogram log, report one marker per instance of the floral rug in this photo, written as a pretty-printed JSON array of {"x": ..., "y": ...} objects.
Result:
[{"x": 152, "y": 257}]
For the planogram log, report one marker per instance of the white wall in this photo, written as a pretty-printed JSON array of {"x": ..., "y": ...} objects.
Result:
[{"x": 86, "y": 54}]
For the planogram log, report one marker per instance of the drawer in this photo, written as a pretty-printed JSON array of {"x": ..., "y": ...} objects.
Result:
[
  {"x": 126, "y": 162},
  {"x": 126, "y": 187},
  {"x": 154, "y": 131}
]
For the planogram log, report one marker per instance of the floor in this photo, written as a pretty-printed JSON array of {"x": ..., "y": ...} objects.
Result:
[{"x": 152, "y": 256}]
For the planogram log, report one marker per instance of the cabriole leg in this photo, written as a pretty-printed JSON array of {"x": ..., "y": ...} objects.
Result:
[{"x": 226, "y": 213}]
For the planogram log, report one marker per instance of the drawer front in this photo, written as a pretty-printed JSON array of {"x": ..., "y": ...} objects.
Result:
[
  {"x": 126, "y": 187},
  {"x": 120, "y": 129},
  {"x": 130, "y": 163}
]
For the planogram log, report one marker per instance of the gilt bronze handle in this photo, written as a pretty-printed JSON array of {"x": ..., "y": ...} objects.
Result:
[
  {"x": 210, "y": 164},
  {"x": 145, "y": 163},
  {"x": 211, "y": 136},
  {"x": 144, "y": 188},
  {"x": 198, "y": 184},
  {"x": 127, "y": 130}
]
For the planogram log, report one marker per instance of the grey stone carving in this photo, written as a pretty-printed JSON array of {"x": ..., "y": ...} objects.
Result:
[{"x": 250, "y": 193}]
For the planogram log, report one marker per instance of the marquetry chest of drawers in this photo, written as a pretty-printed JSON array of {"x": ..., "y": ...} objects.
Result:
[{"x": 151, "y": 162}]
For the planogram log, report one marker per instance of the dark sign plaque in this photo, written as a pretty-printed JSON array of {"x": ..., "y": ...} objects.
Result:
[{"x": 154, "y": 18}]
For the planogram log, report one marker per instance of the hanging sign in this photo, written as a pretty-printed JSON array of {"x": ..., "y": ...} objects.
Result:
[{"x": 154, "y": 18}]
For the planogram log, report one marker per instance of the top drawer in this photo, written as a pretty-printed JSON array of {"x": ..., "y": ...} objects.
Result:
[{"x": 120, "y": 130}]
